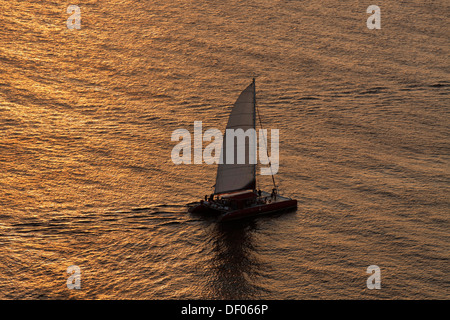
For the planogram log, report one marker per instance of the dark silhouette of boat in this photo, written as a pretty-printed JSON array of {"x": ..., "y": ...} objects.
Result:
[{"x": 235, "y": 195}]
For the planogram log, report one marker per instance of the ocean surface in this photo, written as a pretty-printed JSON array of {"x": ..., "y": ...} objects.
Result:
[{"x": 86, "y": 176}]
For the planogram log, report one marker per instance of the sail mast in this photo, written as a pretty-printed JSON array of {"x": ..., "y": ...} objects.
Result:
[
  {"x": 254, "y": 127},
  {"x": 264, "y": 139}
]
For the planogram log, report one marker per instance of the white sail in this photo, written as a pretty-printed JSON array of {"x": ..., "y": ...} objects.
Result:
[{"x": 233, "y": 177}]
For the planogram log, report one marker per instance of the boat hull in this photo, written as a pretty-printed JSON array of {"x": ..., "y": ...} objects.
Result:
[
  {"x": 259, "y": 210},
  {"x": 203, "y": 209},
  {"x": 252, "y": 211}
]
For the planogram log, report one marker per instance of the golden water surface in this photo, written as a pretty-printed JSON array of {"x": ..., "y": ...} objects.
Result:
[{"x": 86, "y": 176}]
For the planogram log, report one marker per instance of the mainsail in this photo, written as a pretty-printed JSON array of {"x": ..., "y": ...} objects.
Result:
[{"x": 234, "y": 177}]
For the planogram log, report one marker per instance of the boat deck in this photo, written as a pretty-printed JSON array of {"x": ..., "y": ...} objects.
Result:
[
  {"x": 245, "y": 204},
  {"x": 268, "y": 196}
]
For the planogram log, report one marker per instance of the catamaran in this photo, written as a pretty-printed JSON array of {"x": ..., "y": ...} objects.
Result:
[{"x": 235, "y": 195}]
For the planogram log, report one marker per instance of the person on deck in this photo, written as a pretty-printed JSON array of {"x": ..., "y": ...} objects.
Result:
[{"x": 274, "y": 194}]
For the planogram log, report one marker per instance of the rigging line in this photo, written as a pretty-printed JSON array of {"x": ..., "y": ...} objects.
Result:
[{"x": 265, "y": 143}]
